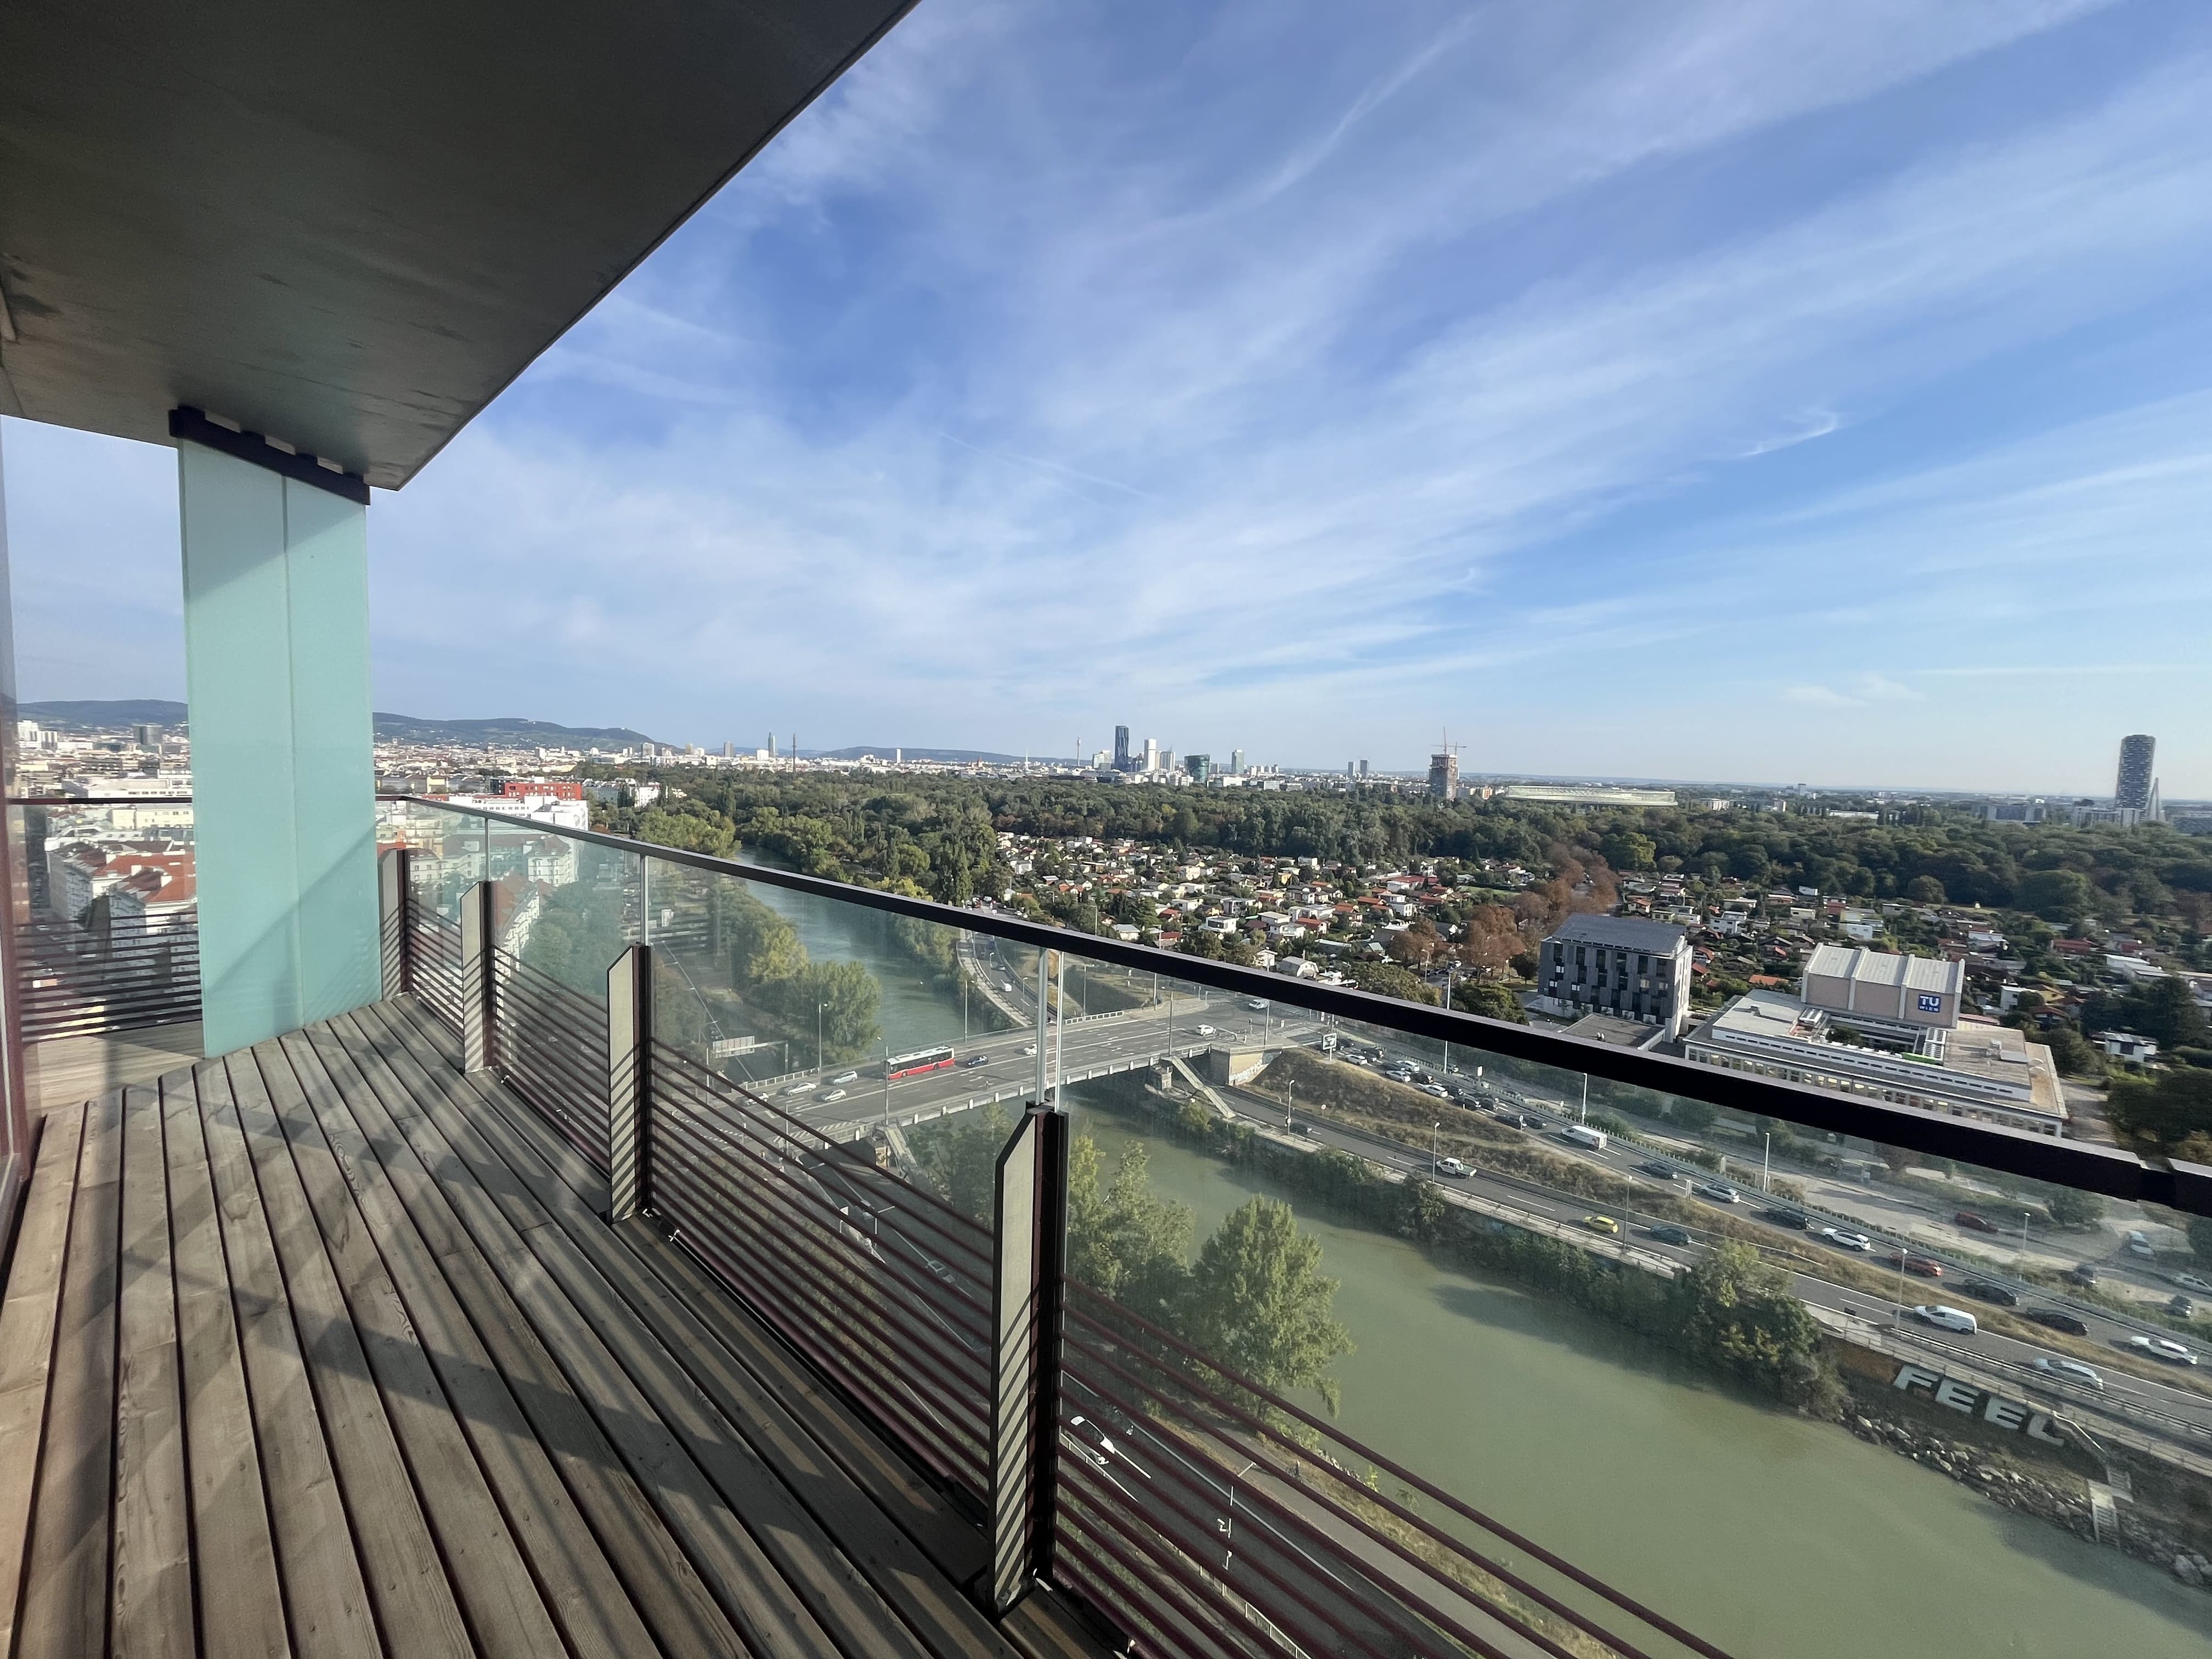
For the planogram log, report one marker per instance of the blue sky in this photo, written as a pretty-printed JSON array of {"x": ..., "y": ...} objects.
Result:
[{"x": 1693, "y": 390}]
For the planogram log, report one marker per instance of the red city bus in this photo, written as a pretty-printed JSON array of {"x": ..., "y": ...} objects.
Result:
[{"x": 921, "y": 1060}]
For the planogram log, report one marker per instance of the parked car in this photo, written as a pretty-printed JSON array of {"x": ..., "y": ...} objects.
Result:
[
  {"x": 2159, "y": 1347},
  {"x": 2191, "y": 1282},
  {"x": 2083, "y": 1273},
  {"x": 1601, "y": 1224},
  {"x": 1843, "y": 1239},
  {"x": 1796, "y": 1218},
  {"x": 1714, "y": 1193},
  {"x": 2138, "y": 1243},
  {"x": 1454, "y": 1168},
  {"x": 2181, "y": 1307},
  {"x": 1438, "y": 1090},
  {"x": 1968, "y": 1220},
  {"x": 2057, "y": 1319},
  {"x": 2071, "y": 1371},
  {"x": 1955, "y": 1320},
  {"x": 1529, "y": 1120},
  {"x": 1655, "y": 1170},
  {"x": 1924, "y": 1266},
  {"x": 1983, "y": 1290},
  {"x": 1667, "y": 1233}
]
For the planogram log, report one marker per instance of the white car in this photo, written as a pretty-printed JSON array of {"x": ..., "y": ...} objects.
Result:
[
  {"x": 1948, "y": 1319},
  {"x": 1454, "y": 1168},
  {"x": 1206, "y": 1031},
  {"x": 2071, "y": 1371},
  {"x": 835, "y": 1094},
  {"x": 805, "y": 1088},
  {"x": 1438, "y": 1090},
  {"x": 1030, "y": 1048},
  {"x": 2159, "y": 1348},
  {"x": 2191, "y": 1282},
  {"x": 846, "y": 1077},
  {"x": 1255, "y": 1004},
  {"x": 1846, "y": 1241}
]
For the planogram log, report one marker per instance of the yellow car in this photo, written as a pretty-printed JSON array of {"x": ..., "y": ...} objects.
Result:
[{"x": 1601, "y": 1224}]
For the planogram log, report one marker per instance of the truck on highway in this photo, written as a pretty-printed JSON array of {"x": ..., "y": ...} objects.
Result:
[{"x": 1593, "y": 1139}]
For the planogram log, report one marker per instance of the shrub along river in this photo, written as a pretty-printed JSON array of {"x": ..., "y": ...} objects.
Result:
[{"x": 1765, "y": 1533}]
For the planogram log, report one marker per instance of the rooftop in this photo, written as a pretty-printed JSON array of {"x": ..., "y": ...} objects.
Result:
[
  {"x": 1882, "y": 968},
  {"x": 1629, "y": 933}
]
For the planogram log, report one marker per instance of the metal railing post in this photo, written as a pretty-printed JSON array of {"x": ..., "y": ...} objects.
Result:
[
  {"x": 397, "y": 954},
  {"x": 630, "y": 1080},
  {"x": 476, "y": 977},
  {"x": 1029, "y": 1260}
]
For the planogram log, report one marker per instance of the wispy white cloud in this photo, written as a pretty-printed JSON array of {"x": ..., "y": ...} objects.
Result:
[{"x": 1281, "y": 382}]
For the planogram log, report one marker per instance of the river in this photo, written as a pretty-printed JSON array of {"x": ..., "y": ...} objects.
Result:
[{"x": 1767, "y": 1533}]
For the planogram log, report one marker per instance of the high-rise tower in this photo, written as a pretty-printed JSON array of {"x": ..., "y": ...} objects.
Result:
[
  {"x": 2133, "y": 785},
  {"x": 1121, "y": 748}
]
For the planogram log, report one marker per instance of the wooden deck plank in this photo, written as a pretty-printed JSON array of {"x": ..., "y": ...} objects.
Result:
[
  {"x": 1044, "y": 1625},
  {"x": 29, "y": 1318},
  {"x": 416, "y": 1607},
  {"x": 605, "y": 1278},
  {"x": 152, "y": 1569},
  {"x": 506, "y": 1612},
  {"x": 672, "y": 1446},
  {"x": 574, "y": 1577},
  {"x": 669, "y": 1592},
  {"x": 781, "y": 1379},
  {"x": 241, "y": 1603},
  {"x": 65, "y": 1584},
  {"x": 325, "y": 1594}
]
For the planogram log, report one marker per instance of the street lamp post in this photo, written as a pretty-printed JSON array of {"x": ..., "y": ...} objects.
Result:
[
  {"x": 1433, "y": 1127},
  {"x": 818, "y": 1007},
  {"x": 1766, "y": 1161},
  {"x": 2023, "y": 1247}
]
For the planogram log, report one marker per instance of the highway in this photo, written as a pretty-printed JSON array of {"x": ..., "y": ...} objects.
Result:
[{"x": 2191, "y": 1412}]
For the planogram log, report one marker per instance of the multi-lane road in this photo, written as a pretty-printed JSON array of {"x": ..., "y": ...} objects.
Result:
[{"x": 2191, "y": 1412}]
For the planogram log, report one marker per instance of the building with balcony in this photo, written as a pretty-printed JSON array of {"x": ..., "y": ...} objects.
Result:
[{"x": 1619, "y": 965}]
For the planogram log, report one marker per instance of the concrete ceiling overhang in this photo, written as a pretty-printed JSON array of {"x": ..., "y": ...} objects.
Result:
[{"x": 350, "y": 225}]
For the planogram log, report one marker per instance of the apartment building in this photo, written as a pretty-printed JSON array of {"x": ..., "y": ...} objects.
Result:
[{"x": 1620, "y": 965}]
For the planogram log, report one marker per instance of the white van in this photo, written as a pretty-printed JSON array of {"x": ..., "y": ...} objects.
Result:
[
  {"x": 1593, "y": 1139},
  {"x": 1948, "y": 1319}
]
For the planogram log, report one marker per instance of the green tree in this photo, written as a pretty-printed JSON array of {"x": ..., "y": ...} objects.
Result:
[
  {"x": 2057, "y": 894},
  {"x": 2074, "y": 1209},
  {"x": 1924, "y": 890},
  {"x": 963, "y": 1161},
  {"x": 2164, "y": 1110},
  {"x": 1260, "y": 1303},
  {"x": 1741, "y": 1313},
  {"x": 1388, "y": 979},
  {"x": 1685, "y": 1113},
  {"x": 1124, "y": 1241},
  {"x": 1490, "y": 999},
  {"x": 1424, "y": 1213}
]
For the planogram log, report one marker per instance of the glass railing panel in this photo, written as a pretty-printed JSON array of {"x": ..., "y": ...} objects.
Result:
[
  {"x": 109, "y": 939},
  {"x": 1577, "y": 1342}
]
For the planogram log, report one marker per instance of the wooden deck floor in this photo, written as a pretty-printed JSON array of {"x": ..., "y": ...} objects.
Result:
[{"x": 322, "y": 1348}]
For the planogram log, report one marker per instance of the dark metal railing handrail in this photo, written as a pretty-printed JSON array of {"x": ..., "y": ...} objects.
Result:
[{"x": 2110, "y": 1170}]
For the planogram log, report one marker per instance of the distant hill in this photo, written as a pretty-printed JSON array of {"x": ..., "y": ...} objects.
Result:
[
  {"x": 84, "y": 716},
  {"x": 508, "y": 730},
  {"x": 884, "y": 750}
]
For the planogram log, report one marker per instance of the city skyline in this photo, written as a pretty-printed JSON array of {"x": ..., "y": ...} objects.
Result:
[{"x": 1835, "y": 382}]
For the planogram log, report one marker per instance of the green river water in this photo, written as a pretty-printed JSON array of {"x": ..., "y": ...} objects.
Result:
[{"x": 1765, "y": 1533}]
